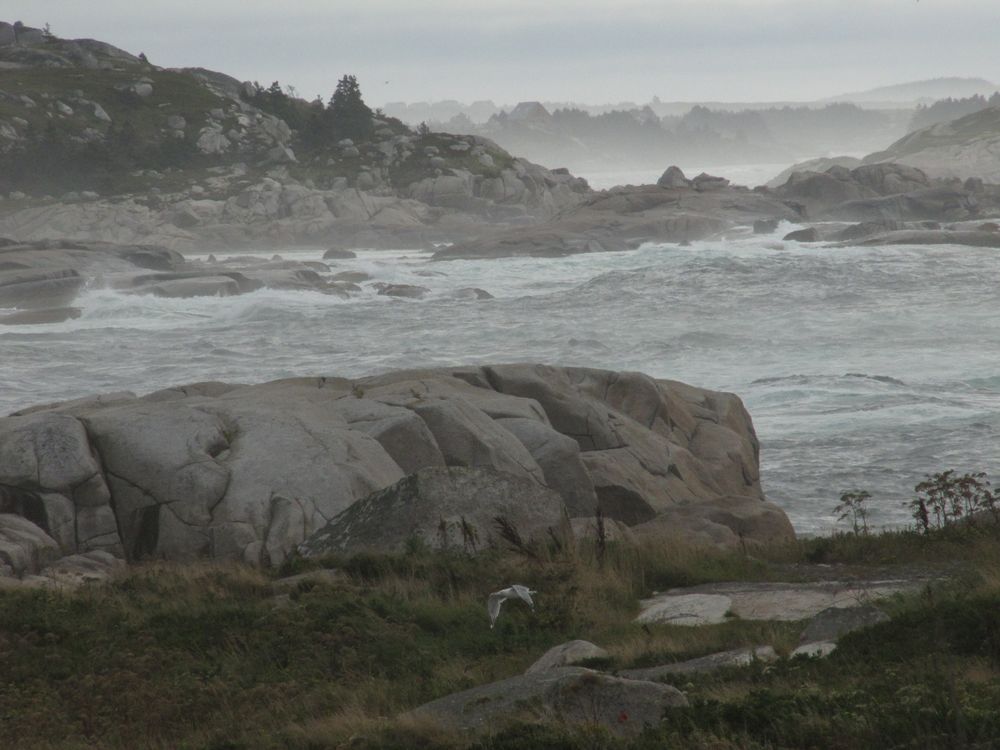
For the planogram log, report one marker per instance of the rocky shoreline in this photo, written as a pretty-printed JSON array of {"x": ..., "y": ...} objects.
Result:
[{"x": 224, "y": 471}]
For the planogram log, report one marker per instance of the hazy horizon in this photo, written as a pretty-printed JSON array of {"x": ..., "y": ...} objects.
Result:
[{"x": 585, "y": 51}]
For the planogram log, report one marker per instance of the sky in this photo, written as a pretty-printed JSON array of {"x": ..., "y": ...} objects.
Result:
[{"x": 550, "y": 50}]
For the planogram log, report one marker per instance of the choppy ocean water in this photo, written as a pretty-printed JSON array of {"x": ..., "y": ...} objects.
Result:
[{"x": 862, "y": 367}]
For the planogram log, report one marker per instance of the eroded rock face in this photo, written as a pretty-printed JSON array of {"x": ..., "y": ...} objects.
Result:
[
  {"x": 443, "y": 508},
  {"x": 214, "y": 470},
  {"x": 569, "y": 694}
]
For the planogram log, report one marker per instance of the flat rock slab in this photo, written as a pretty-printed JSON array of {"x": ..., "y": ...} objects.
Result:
[
  {"x": 568, "y": 694},
  {"x": 685, "y": 609},
  {"x": 740, "y": 657},
  {"x": 713, "y": 603},
  {"x": 831, "y": 624}
]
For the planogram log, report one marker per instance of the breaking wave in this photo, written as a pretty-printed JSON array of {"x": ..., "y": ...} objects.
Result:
[{"x": 862, "y": 367}]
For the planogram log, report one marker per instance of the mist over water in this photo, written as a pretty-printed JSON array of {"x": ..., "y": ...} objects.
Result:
[{"x": 861, "y": 367}]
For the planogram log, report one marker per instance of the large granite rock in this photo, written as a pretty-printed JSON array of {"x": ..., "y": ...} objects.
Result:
[
  {"x": 250, "y": 472},
  {"x": 572, "y": 695},
  {"x": 558, "y": 457},
  {"x": 50, "y": 474},
  {"x": 449, "y": 508}
]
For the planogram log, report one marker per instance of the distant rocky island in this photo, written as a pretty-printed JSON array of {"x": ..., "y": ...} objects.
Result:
[{"x": 99, "y": 144}]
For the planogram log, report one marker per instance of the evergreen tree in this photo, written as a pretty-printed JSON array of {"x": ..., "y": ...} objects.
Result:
[{"x": 349, "y": 116}]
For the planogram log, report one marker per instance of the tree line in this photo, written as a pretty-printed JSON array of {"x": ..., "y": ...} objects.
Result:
[{"x": 318, "y": 124}]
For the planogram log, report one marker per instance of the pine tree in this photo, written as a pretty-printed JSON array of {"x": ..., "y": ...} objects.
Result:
[{"x": 349, "y": 116}]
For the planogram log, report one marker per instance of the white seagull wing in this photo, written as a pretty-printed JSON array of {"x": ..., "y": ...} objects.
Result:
[
  {"x": 493, "y": 606},
  {"x": 524, "y": 593}
]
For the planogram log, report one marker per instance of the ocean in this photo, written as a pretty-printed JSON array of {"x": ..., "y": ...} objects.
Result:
[{"x": 863, "y": 368}]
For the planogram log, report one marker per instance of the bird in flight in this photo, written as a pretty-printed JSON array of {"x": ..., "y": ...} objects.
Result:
[{"x": 517, "y": 591}]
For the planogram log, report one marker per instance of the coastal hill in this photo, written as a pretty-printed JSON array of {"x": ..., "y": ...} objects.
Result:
[
  {"x": 100, "y": 143},
  {"x": 962, "y": 148},
  {"x": 920, "y": 91}
]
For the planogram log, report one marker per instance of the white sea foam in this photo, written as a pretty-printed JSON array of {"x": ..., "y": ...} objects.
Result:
[{"x": 862, "y": 367}]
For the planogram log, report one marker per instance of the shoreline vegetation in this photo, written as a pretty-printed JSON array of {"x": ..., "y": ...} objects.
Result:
[{"x": 329, "y": 652}]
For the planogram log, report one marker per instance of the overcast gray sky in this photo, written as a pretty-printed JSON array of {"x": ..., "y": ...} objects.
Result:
[{"x": 582, "y": 50}]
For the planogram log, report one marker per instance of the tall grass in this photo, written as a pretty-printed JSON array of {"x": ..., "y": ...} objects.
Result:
[{"x": 219, "y": 656}]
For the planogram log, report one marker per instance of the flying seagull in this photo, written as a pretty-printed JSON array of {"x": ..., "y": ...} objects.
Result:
[{"x": 517, "y": 591}]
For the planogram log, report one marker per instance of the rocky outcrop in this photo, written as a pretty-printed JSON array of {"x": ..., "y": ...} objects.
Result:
[
  {"x": 39, "y": 289},
  {"x": 821, "y": 164},
  {"x": 443, "y": 508},
  {"x": 258, "y": 179},
  {"x": 932, "y": 237},
  {"x": 24, "y": 46},
  {"x": 625, "y": 217},
  {"x": 250, "y": 472},
  {"x": 810, "y": 234},
  {"x": 886, "y": 193},
  {"x": 714, "y": 603},
  {"x": 963, "y": 148},
  {"x": 822, "y": 191},
  {"x": 673, "y": 177},
  {"x": 570, "y": 695},
  {"x": 40, "y": 279},
  {"x": 241, "y": 212}
]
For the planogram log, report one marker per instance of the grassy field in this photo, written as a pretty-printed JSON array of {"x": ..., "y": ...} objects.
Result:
[{"x": 224, "y": 656}]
